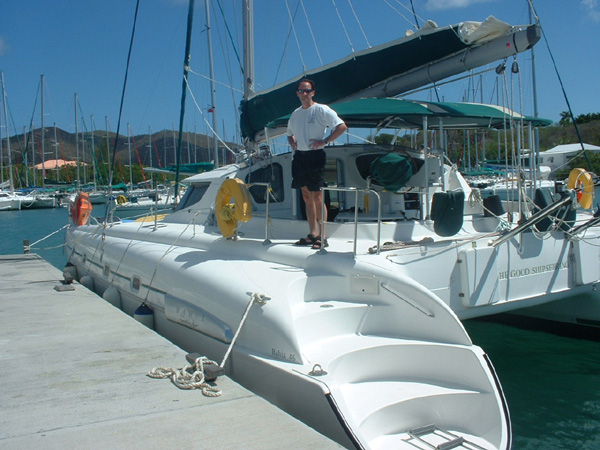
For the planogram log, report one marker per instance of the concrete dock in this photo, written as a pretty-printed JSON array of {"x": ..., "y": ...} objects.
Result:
[{"x": 74, "y": 375}]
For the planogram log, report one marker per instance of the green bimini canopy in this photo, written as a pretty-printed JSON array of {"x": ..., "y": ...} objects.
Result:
[
  {"x": 408, "y": 114},
  {"x": 416, "y": 60}
]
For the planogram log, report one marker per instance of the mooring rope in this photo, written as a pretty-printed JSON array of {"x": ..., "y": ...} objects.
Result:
[{"x": 185, "y": 378}]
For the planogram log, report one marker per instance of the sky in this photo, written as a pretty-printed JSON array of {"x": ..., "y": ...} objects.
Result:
[{"x": 81, "y": 49}]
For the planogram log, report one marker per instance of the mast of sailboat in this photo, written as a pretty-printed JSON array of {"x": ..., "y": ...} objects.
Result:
[
  {"x": 186, "y": 64},
  {"x": 130, "y": 163},
  {"x": 107, "y": 142},
  {"x": 43, "y": 140},
  {"x": 77, "y": 145},
  {"x": 93, "y": 152},
  {"x": 213, "y": 108},
  {"x": 33, "y": 169},
  {"x": 150, "y": 148},
  {"x": 56, "y": 155},
  {"x": 535, "y": 103},
  {"x": 248, "y": 22},
  {"x": 10, "y": 175}
]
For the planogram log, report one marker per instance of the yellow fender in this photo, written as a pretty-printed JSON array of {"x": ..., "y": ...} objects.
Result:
[
  {"x": 581, "y": 180},
  {"x": 121, "y": 199},
  {"x": 229, "y": 214}
]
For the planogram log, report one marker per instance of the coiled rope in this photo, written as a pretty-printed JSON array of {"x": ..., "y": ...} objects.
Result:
[
  {"x": 183, "y": 379},
  {"x": 189, "y": 377}
]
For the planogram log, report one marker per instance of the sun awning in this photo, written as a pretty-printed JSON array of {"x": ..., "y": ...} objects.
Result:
[{"x": 408, "y": 114}]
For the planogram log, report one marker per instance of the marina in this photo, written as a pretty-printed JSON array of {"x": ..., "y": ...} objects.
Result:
[
  {"x": 79, "y": 378},
  {"x": 422, "y": 311}
]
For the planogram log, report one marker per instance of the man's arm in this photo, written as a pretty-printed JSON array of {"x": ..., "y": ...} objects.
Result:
[
  {"x": 335, "y": 133},
  {"x": 292, "y": 142}
]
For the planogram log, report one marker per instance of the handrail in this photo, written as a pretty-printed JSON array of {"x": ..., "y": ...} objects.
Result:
[
  {"x": 537, "y": 217},
  {"x": 356, "y": 191},
  {"x": 595, "y": 220}
]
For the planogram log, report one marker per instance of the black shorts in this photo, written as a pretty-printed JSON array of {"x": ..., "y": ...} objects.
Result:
[{"x": 308, "y": 169}]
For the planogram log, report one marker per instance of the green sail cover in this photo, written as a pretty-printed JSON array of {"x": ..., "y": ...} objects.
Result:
[{"x": 414, "y": 61}]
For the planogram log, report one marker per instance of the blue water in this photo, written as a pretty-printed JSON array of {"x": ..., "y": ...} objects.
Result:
[{"x": 550, "y": 374}]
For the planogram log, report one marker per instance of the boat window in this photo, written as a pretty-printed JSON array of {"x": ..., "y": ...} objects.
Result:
[
  {"x": 363, "y": 163},
  {"x": 192, "y": 196},
  {"x": 273, "y": 174}
]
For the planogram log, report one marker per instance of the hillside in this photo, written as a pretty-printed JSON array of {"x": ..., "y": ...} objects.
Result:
[{"x": 195, "y": 147}]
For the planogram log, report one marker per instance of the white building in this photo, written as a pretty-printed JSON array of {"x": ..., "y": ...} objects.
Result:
[{"x": 559, "y": 156}]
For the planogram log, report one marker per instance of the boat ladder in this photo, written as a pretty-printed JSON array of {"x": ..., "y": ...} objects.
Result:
[{"x": 432, "y": 437}]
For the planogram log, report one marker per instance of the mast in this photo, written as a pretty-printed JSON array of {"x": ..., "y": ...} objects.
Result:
[
  {"x": 248, "y": 20},
  {"x": 77, "y": 144},
  {"x": 93, "y": 152},
  {"x": 33, "y": 169},
  {"x": 107, "y": 142},
  {"x": 150, "y": 147},
  {"x": 186, "y": 64},
  {"x": 43, "y": 140},
  {"x": 10, "y": 174},
  {"x": 130, "y": 163},
  {"x": 212, "y": 87},
  {"x": 535, "y": 103},
  {"x": 56, "y": 155}
]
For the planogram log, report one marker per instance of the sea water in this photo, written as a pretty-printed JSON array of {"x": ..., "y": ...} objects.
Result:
[{"x": 550, "y": 373}]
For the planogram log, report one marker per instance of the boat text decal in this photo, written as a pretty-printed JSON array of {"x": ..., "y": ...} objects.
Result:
[{"x": 535, "y": 270}]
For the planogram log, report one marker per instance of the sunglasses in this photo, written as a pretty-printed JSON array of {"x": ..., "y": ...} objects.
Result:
[{"x": 305, "y": 91}]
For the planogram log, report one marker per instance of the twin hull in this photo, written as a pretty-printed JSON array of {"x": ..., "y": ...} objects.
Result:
[{"x": 350, "y": 345}]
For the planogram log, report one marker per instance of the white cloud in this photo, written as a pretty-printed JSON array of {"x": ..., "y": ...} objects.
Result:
[
  {"x": 592, "y": 9},
  {"x": 432, "y": 5},
  {"x": 3, "y": 46}
]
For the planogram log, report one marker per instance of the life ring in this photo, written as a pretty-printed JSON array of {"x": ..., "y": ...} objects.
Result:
[
  {"x": 81, "y": 209},
  {"x": 229, "y": 214},
  {"x": 121, "y": 199},
  {"x": 581, "y": 180}
]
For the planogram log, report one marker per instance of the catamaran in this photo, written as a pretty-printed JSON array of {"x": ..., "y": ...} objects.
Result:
[{"x": 361, "y": 340}]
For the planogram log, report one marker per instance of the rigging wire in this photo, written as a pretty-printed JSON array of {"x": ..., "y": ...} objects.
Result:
[
  {"x": 343, "y": 25},
  {"x": 311, "y": 32},
  {"x": 205, "y": 119},
  {"x": 562, "y": 87},
  {"x": 293, "y": 29},
  {"x": 237, "y": 55},
  {"x": 137, "y": 7},
  {"x": 414, "y": 14},
  {"x": 398, "y": 12},
  {"x": 287, "y": 40},
  {"x": 359, "y": 24}
]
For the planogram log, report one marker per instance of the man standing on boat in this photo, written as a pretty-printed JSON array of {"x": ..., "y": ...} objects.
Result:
[{"x": 306, "y": 135}]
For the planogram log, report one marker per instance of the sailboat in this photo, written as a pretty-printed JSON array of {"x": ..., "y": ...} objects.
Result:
[{"x": 361, "y": 340}]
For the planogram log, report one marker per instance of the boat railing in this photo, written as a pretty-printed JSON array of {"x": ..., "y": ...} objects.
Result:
[
  {"x": 537, "y": 217},
  {"x": 595, "y": 220},
  {"x": 356, "y": 191}
]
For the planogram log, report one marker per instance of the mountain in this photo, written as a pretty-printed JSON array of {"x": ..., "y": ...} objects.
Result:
[{"x": 195, "y": 147}]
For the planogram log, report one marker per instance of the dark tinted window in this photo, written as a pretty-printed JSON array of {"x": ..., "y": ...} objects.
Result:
[
  {"x": 192, "y": 196},
  {"x": 273, "y": 174}
]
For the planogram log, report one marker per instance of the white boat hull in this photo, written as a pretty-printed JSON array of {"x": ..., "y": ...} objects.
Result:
[{"x": 362, "y": 359}]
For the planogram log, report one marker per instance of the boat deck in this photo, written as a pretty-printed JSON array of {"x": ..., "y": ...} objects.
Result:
[{"x": 75, "y": 375}]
